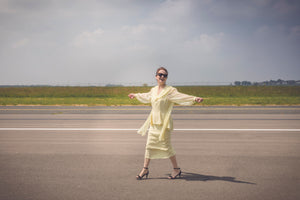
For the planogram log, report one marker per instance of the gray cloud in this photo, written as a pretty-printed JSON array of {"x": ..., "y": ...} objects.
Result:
[{"x": 100, "y": 42}]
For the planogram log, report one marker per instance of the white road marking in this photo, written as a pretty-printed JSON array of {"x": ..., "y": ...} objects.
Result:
[
  {"x": 66, "y": 129},
  {"x": 134, "y": 129},
  {"x": 237, "y": 129}
]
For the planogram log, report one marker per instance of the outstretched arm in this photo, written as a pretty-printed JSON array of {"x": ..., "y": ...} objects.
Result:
[
  {"x": 183, "y": 99},
  {"x": 142, "y": 97}
]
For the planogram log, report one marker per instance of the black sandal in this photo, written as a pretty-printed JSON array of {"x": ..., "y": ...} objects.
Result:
[
  {"x": 138, "y": 177},
  {"x": 177, "y": 175}
]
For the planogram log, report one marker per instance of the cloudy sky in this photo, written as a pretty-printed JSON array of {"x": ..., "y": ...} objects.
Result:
[{"x": 97, "y": 42}]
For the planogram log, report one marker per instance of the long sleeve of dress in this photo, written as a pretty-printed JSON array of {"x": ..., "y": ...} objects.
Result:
[
  {"x": 144, "y": 97},
  {"x": 180, "y": 98}
]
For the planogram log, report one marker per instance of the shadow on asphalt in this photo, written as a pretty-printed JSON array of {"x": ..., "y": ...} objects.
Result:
[{"x": 188, "y": 176}]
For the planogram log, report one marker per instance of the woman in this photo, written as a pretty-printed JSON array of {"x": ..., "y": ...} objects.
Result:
[{"x": 162, "y": 99}]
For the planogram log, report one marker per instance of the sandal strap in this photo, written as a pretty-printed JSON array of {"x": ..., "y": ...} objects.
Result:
[
  {"x": 145, "y": 167},
  {"x": 176, "y": 168}
]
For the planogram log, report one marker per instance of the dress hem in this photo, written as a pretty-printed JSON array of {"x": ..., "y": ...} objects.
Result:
[{"x": 160, "y": 157}]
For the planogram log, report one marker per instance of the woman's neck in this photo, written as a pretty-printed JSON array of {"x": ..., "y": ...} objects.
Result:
[{"x": 162, "y": 86}]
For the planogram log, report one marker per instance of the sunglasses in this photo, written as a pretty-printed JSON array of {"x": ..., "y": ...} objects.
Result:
[{"x": 160, "y": 75}]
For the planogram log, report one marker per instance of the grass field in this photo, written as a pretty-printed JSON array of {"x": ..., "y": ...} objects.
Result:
[{"x": 213, "y": 95}]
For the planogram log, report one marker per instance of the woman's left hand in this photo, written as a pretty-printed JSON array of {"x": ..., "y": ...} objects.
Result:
[
  {"x": 198, "y": 99},
  {"x": 131, "y": 96}
]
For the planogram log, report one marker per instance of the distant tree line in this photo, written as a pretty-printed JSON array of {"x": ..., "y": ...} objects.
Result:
[
  {"x": 278, "y": 82},
  {"x": 271, "y": 82}
]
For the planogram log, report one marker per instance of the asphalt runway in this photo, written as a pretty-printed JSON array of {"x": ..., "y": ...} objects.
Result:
[{"x": 55, "y": 152}]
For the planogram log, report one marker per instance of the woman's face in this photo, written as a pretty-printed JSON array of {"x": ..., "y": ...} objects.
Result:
[{"x": 161, "y": 77}]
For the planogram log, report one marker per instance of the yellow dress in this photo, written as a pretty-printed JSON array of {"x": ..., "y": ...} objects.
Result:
[{"x": 159, "y": 122}]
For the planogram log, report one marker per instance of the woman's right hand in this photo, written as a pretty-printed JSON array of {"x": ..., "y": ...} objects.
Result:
[{"x": 131, "y": 96}]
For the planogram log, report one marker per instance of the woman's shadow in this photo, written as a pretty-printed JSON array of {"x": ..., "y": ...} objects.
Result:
[{"x": 189, "y": 176}]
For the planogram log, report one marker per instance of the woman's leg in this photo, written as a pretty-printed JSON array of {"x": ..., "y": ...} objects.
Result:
[
  {"x": 145, "y": 168},
  {"x": 176, "y": 169},
  {"x": 174, "y": 161},
  {"x": 146, "y": 162}
]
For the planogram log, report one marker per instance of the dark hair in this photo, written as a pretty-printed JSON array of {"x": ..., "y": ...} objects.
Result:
[{"x": 161, "y": 68}]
